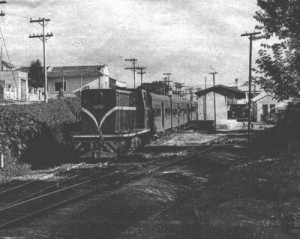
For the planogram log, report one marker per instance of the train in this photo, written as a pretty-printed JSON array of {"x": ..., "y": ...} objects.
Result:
[{"x": 119, "y": 120}]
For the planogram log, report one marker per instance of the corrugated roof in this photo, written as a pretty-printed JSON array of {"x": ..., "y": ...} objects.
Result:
[
  {"x": 64, "y": 71},
  {"x": 223, "y": 90}
]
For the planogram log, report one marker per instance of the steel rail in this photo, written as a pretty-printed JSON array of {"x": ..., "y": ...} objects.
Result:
[{"x": 106, "y": 187}]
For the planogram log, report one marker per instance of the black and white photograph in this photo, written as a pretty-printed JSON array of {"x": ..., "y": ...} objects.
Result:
[{"x": 149, "y": 119}]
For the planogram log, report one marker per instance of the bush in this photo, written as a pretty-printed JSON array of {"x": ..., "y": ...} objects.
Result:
[{"x": 37, "y": 134}]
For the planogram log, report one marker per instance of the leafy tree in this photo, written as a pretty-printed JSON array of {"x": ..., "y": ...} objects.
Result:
[
  {"x": 155, "y": 87},
  {"x": 279, "y": 62},
  {"x": 36, "y": 74}
]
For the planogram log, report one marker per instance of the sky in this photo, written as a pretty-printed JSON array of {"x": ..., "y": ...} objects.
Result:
[{"x": 189, "y": 38}]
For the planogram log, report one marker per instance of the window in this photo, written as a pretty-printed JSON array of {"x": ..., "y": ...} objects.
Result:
[
  {"x": 265, "y": 109},
  {"x": 157, "y": 112},
  {"x": 59, "y": 86},
  {"x": 272, "y": 109}
]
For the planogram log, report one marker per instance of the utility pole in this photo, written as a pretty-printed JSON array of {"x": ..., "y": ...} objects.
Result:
[
  {"x": 2, "y": 14},
  {"x": 204, "y": 103},
  {"x": 168, "y": 74},
  {"x": 133, "y": 68},
  {"x": 215, "y": 114},
  {"x": 179, "y": 86},
  {"x": 190, "y": 92},
  {"x": 141, "y": 72},
  {"x": 250, "y": 79},
  {"x": 44, "y": 37},
  {"x": 166, "y": 81}
]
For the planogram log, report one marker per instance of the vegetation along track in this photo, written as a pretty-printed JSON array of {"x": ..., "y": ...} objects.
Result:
[{"x": 78, "y": 187}]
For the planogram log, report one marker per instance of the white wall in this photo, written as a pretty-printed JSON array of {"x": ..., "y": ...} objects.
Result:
[{"x": 221, "y": 107}]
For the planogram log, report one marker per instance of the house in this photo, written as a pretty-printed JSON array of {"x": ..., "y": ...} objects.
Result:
[
  {"x": 255, "y": 91},
  {"x": 225, "y": 98},
  {"x": 14, "y": 82},
  {"x": 71, "y": 79},
  {"x": 266, "y": 108}
]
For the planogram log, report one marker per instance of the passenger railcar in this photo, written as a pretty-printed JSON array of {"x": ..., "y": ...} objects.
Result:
[{"x": 117, "y": 120}]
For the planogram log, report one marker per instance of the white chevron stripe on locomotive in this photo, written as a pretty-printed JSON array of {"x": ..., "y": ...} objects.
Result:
[
  {"x": 107, "y": 114},
  {"x": 91, "y": 115}
]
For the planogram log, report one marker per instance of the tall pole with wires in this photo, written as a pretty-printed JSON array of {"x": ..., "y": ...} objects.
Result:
[
  {"x": 141, "y": 72},
  {"x": 250, "y": 35},
  {"x": 2, "y": 14},
  {"x": 215, "y": 113},
  {"x": 133, "y": 68},
  {"x": 44, "y": 37}
]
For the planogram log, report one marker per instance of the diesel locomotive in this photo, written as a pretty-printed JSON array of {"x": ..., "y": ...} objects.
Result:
[{"x": 116, "y": 120}]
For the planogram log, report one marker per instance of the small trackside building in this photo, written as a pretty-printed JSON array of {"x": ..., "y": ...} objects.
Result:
[
  {"x": 225, "y": 98},
  {"x": 68, "y": 79},
  {"x": 13, "y": 82},
  {"x": 267, "y": 109}
]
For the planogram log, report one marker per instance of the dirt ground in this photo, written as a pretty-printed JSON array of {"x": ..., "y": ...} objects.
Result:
[{"x": 224, "y": 193}]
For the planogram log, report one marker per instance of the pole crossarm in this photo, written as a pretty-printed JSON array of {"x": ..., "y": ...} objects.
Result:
[
  {"x": 41, "y": 36},
  {"x": 250, "y": 34}
]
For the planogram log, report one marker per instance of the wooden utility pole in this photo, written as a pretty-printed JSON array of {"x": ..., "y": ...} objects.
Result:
[
  {"x": 215, "y": 114},
  {"x": 189, "y": 91},
  {"x": 166, "y": 81},
  {"x": 179, "y": 86},
  {"x": 133, "y": 68},
  {"x": 2, "y": 14},
  {"x": 250, "y": 35},
  {"x": 141, "y": 72},
  {"x": 44, "y": 37}
]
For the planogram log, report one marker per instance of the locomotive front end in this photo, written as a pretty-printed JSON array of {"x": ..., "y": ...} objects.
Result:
[{"x": 96, "y": 105}]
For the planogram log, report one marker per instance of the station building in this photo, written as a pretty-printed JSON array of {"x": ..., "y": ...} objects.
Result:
[
  {"x": 225, "y": 98},
  {"x": 72, "y": 79}
]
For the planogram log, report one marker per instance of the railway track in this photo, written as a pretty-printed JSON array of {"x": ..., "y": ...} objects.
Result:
[{"x": 78, "y": 187}]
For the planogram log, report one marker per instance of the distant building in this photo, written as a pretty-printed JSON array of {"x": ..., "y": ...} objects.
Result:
[
  {"x": 267, "y": 109},
  {"x": 71, "y": 79},
  {"x": 255, "y": 91},
  {"x": 14, "y": 82},
  {"x": 225, "y": 98}
]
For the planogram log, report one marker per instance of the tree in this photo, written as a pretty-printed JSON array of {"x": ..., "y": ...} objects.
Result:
[
  {"x": 155, "y": 87},
  {"x": 279, "y": 63},
  {"x": 36, "y": 74}
]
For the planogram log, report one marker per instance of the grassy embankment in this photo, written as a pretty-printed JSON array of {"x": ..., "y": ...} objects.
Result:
[{"x": 36, "y": 135}]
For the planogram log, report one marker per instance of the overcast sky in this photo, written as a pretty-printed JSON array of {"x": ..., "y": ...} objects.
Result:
[{"x": 186, "y": 37}]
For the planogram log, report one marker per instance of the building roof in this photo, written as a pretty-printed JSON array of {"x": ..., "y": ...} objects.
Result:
[
  {"x": 260, "y": 96},
  {"x": 223, "y": 90},
  {"x": 8, "y": 65},
  {"x": 64, "y": 71}
]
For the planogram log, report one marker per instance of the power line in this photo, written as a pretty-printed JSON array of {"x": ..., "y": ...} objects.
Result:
[{"x": 44, "y": 37}]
